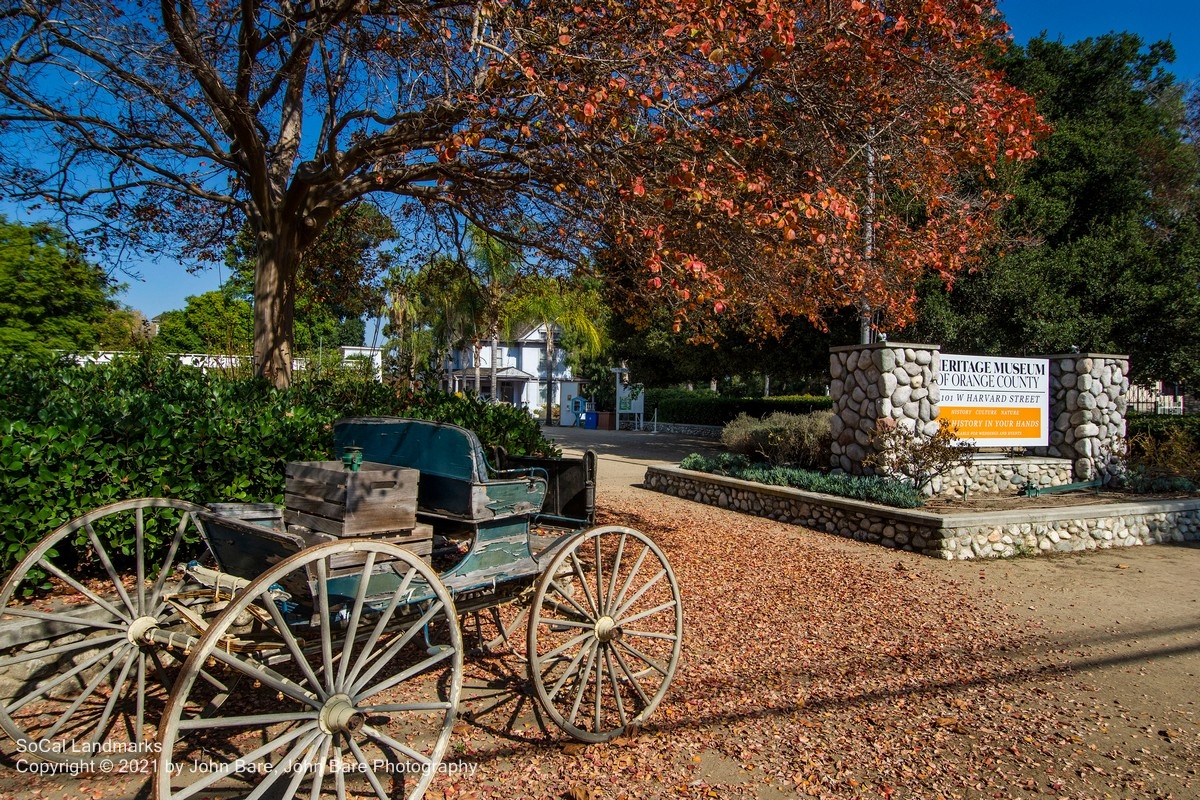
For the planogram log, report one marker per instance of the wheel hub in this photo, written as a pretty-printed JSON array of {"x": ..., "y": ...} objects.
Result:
[
  {"x": 607, "y": 629},
  {"x": 339, "y": 715},
  {"x": 140, "y": 630}
]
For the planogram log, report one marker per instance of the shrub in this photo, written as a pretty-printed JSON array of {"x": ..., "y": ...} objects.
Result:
[
  {"x": 709, "y": 408},
  {"x": 899, "y": 450},
  {"x": 74, "y": 438},
  {"x": 873, "y": 488},
  {"x": 800, "y": 440}
]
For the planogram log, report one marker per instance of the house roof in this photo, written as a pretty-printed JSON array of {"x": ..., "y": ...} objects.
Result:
[{"x": 503, "y": 374}]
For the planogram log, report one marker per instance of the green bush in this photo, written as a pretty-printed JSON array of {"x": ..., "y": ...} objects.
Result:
[
  {"x": 74, "y": 438},
  {"x": 799, "y": 440},
  {"x": 1159, "y": 426},
  {"x": 873, "y": 489},
  {"x": 709, "y": 408}
]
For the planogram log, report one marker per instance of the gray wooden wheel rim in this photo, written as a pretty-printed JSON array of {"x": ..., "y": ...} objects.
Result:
[
  {"x": 545, "y": 614},
  {"x": 209, "y": 645},
  {"x": 132, "y": 667}
]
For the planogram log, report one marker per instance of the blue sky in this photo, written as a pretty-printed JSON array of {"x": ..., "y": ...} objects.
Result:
[{"x": 166, "y": 286}]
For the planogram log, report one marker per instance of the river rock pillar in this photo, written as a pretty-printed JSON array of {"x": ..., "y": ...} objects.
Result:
[
  {"x": 1088, "y": 402},
  {"x": 885, "y": 380}
]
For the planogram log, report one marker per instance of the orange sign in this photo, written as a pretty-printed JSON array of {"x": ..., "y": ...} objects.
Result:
[{"x": 994, "y": 423}]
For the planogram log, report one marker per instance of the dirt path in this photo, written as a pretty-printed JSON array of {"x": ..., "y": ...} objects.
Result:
[{"x": 816, "y": 666}]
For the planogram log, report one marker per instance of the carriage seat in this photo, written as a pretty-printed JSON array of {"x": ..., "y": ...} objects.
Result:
[{"x": 454, "y": 482}]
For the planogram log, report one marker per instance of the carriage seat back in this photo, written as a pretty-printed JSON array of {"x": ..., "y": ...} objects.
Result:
[{"x": 454, "y": 473}]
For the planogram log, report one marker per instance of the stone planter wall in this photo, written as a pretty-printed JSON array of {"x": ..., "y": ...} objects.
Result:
[
  {"x": 988, "y": 476},
  {"x": 702, "y": 431},
  {"x": 1000, "y": 534}
]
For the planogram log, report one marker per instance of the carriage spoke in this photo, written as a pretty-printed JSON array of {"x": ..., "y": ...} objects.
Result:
[
  {"x": 289, "y": 640},
  {"x": 355, "y": 616},
  {"x": 669, "y": 637},
  {"x": 600, "y": 604},
  {"x": 164, "y": 572},
  {"x": 633, "y": 681},
  {"x": 381, "y": 624},
  {"x": 623, "y": 610},
  {"x": 82, "y": 644},
  {"x": 594, "y": 646},
  {"x": 643, "y": 657},
  {"x": 326, "y": 634},
  {"x": 571, "y": 600},
  {"x": 670, "y": 604},
  {"x": 251, "y": 757},
  {"x": 383, "y": 738},
  {"x": 553, "y": 654},
  {"x": 87, "y": 692},
  {"x": 389, "y": 652},
  {"x": 285, "y": 765},
  {"x": 616, "y": 569},
  {"x": 389, "y": 708},
  {"x": 247, "y": 720},
  {"x": 568, "y": 672},
  {"x": 319, "y": 773},
  {"x": 304, "y": 768},
  {"x": 45, "y": 688},
  {"x": 48, "y": 565},
  {"x": 82, "y": 622},
  {"x": 113, "y": 697},
  {"x": 583, "y": 582},
  {"x": 401, "y": 677},
  {"x": 261, "y": 672},
  {"x": 616, "y": 687},
  {"x": 140, "y": 711},
  {"x": 108, "y": 567},
  {"x": 339, "y": 777},
  {"x": 380, "y": 792},
  {"x": 140, "y": 556},
  {"x": 629, "y": 579}
]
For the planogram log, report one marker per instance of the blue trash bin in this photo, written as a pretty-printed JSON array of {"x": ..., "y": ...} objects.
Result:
[{"x": 590, "y": 420}]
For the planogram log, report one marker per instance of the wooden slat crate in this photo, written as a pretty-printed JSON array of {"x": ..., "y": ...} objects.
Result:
[{"x": 326, "y": 497}]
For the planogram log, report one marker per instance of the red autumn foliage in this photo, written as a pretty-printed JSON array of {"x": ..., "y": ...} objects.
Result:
[{"x": 769, "y": 158}]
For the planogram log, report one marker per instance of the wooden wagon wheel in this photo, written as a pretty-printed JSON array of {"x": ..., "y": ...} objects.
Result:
[
  {"x": 605, "y": 632},
  {"x": 82, "y": 674},
  {"x": 353, "y": 692}
]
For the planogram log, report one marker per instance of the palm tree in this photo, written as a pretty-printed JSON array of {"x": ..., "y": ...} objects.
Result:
[
  {"x": 433, "y": 311},
  {"x": 558, "y": 305},
  {"x": 493, "y": 264}
]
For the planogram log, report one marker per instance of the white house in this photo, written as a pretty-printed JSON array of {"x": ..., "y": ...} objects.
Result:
[{"x": 522, "y": 370}]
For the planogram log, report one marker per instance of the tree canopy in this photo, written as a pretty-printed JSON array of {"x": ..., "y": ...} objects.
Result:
[
  {"x": 770, "y": 158},
  {"x": 51, "y": 297},
  {"x": 1102, "y": 245}
]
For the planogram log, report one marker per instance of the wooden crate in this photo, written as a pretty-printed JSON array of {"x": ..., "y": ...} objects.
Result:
[{"x": 326, "y": 497}]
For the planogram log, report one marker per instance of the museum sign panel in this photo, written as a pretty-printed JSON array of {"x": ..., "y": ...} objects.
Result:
[{"x": 995, "y": 401}]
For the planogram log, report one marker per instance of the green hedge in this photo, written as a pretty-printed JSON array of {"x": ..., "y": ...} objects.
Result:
[
  {"x": 873, "y": 489},
  {"x": 709, "y": 408},
  {"x": 1161, "y": 425},
  {"x": 74, "y": 438}
]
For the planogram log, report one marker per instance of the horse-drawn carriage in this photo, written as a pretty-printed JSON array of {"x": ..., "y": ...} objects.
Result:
[{"x": 316, "y": 650}]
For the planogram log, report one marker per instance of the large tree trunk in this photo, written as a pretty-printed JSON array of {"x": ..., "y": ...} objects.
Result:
[{"x": 275, "y": 306}]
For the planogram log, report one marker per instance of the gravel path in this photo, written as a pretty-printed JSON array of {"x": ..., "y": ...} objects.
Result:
[{"x": 816, "y": 666}]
